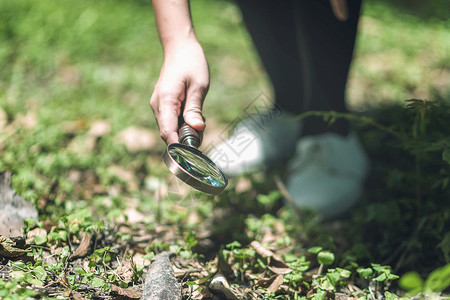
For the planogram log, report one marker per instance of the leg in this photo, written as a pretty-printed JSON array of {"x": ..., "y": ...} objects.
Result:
[
  {"x": 272, "y": 27},
  {"x": 325, "y": 49},
  {"x": 306, "y": 52}
]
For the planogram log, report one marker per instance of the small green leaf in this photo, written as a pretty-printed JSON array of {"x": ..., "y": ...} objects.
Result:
[
  {"x": 40, "y": 239},
  {"x": 390, "y": 296},
  {"x": 149, "y": 256},
  {"x": 18, "y": 275},
  {"x": 233, "y": 245},
  {"x": 92, "y": 264},
  {"x": 80, "y": 271},
  {"x": 381, "y": 278},
  {"x": 325, "y": 258},
  {"x": 40, "y": 273},
  {"x": 439, "y": 279},
  {"x": 344, "y": 273},
  {"x": 139, "y": 268},
  {"x": 63, "y": 235},
  {"x": 97, "y": 282},
  {"x": 392, "y": 276},
  {"x": 365, "y": 273},
  {"x": 315, "y": 250},
  {"x": 411, "y": 281}
]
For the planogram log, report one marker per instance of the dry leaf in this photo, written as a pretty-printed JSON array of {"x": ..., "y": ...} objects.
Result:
[
  {"x": 126, "y": 176},
  {"x": 99, "y": 128},
  {"x": 138, "y": 259},
  {"x": 83, "y": 248},
  {"x": 35, "y": 232},
  {"x": 129, "y": 292},
  {"x": 28, "y": 121},
  {"x": 13, "y": 247},
  {"x": 133, "y": 215},
  {"x": 275, "y": 285},
  {"x": 280, "y": 271},
  {"x": 273, "y": 259},
  {"x": 265, "y": 282},
  {"x": 200, "y": 293},
  {"x": 341, "y": 296},
  {"x": 63, "y": 281},
  {"x": 274, "y": 262},
  {"x": 77, "y": 296},
  {"x": 137, "y": 139},
  {"x": 82, "y": 144},
  {"x": 244, "y": 184},
  {"x": 72, "y": 127}
]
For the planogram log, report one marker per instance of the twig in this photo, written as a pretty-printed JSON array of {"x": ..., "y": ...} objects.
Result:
[
  {"x": 286, "y": 195},
  {"x": 350, "y": 117}
]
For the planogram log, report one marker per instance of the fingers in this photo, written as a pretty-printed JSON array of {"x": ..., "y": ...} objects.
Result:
[
  {"x": 166, "y": 108},
  {"x": 192, "y": 113},
  {"x": 340, "y": 9}
]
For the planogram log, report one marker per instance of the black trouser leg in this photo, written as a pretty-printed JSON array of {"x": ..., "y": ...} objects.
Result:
[{"x": 306, "y": 52}]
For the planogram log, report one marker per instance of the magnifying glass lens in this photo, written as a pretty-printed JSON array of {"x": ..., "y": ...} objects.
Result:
[{"x": 197, "y": 166}]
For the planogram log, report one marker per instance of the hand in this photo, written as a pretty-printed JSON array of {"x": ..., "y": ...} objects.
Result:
[{"x": 184, "y": 77}]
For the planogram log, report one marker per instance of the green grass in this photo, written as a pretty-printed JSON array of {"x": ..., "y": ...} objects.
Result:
[{"x": 66, "y": 64}]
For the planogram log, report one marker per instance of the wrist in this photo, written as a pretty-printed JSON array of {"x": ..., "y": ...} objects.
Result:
[{"x": 179, "y": 39}]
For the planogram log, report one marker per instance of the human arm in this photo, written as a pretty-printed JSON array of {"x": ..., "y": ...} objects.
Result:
[{"x": 184, "y": 75}]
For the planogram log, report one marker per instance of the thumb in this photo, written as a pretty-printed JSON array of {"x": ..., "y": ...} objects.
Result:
[{"x": 192, "y": 113}]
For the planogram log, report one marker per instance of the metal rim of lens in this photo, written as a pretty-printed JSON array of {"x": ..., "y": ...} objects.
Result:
[{"x": 176, "y": 169}]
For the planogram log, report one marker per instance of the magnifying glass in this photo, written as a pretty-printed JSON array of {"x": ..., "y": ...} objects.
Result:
[{"x": 193, "y": 167}]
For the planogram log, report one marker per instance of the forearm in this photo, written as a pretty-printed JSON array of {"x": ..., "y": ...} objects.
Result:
[{"x": 173, "y": 20}]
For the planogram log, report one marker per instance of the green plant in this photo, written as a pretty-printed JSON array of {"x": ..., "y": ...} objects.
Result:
[{"x": 437, "y": 282}]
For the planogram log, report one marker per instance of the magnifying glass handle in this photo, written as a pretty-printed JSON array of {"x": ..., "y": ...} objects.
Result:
[{"x": 188, "y": 136}]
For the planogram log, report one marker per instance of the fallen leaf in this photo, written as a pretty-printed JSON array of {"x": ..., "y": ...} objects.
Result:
[
  {"x": 72, "y": 127},
  {"x": 341, "y": 296},
  {"x": 126, "y": 271},
  {"x": 77, "y": 296},
  {"x": 137, "y": 139},
  {"x": 63, "y": 281},
  {"x": 28, "y": 121},
  {"x": 82, "y": 144},
  {"x": 138, "y": 259},
  {"x": 275, "y": 285},
  {"x": 280, "y": 271},
  {"x": 129, "y": 292},
  {"x": 266, "y": 281},
  {"x": 13, "y": 247},
  {"x": 83, "y": 248},
  {"x": 199, "y": 293},
  {"x": 32, "y": 234},
  {"x": 133, "y": 215},
  {"x": 48, "y": 225},
  {"x": 126, "y": 176},
  {"x": 99, "y": 128},
  {"x": 273, "y": 259}
]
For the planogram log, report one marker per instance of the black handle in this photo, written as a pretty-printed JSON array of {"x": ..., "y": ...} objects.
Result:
[{"x": 188, "y": 136}]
